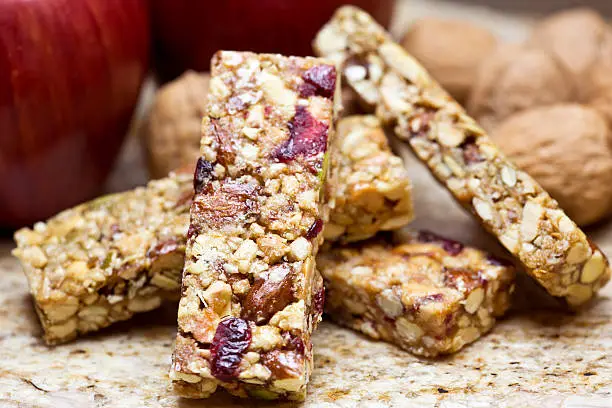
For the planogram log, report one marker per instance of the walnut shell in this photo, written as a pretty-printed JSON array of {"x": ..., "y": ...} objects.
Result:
[
  {"x": 565, "y": 148},
  {"x": 582, "y": 42},
  {"x": 171, "y": 132},
  {"x": 602, "y": 103},
  {"x": 514, "y": 78},
  {"x": 450, "y": 50}
]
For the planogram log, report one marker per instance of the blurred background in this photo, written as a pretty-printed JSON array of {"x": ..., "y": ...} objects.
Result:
[{"x": 101, "y": 95}]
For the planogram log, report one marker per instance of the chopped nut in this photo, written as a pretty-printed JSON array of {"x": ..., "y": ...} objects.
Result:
[
  {"x": 474, "y": 300},
  {"x": 532, "y": 213},
  {"x": 143, "y": 304},
  {"x": 483, "y": 209},
  {"x": 449, "y": 135},
  {"x": 508, "y": 176},
  {"x": 300, "y": 249},
  {"x": 390, "y": 303},
  {"x": 578, "y": 294},
  {"x": 593, "y": 268},
  {"x": 276, "y": 91},
  {"x": 409, "y": 331},
  {"x": 399, "y": 60},
  {"x": 218, "y": 296}
]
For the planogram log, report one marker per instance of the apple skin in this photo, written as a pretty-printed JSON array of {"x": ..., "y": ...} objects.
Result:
[
  {"x": 70, "y": 75},
  {"x": 187, "y": 33}
]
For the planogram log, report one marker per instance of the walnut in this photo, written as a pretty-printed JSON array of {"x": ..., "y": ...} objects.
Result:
[
  {"x": 582, "y": 41},
  {"x": 601, "y": 101},
  {"x": 515, "y": 78},
  {"x": 171, "y": 133},
  {"x": 565, "y": 148},
  {"x": 450, "y": 50}
]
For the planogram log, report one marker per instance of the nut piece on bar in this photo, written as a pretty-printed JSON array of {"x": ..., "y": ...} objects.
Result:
[
  {"x": 507, "y": 201},
  {"x": 371, "y": 190},
  {"x": 103, "y": 261},
  {"x": 428, "y": 295},
  {"x": 251, "y": 296}
]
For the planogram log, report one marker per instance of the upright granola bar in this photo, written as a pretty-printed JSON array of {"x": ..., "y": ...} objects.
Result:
[
  {"x": 250, "y": 293},
  {"x": 507, "y": 201},
  {"x": 428, "y": 295},
  {"x": 372, "y": 190},
  {"x": 105, "y": 260}
]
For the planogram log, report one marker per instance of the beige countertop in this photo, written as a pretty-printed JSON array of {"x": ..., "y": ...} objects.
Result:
[{"x": 532, "y": 358}]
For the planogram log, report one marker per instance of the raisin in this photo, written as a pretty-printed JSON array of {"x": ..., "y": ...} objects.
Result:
[
  {"x": 307, "y": 137},
  {"x": 450, "y": 246},
  {"x": 202, "y": 175},
  {"x": 268, "y": 296},
  {"x": 232, "y": 338},
  {"x": 322, "y": 79},
  {"x": 315, "y": 229}
]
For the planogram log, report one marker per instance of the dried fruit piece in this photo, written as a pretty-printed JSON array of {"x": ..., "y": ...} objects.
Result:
[
  {"x": 323, "y": 79},
  {"x": 202, "y": 175},
  {"x": 231, "y": 340},
  {"x": 307, "y": 137}
]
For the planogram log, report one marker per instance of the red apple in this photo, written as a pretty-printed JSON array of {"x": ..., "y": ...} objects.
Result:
[
  {"x": 70, "y": 74},
  {"x": 188, "y": 32}
]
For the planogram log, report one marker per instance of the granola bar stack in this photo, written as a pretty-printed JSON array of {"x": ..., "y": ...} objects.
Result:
[{"x": 239, "y": 239}]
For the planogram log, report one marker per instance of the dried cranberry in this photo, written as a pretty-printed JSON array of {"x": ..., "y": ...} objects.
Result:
[
  {"x": 202, "y": 175},
  {"x": 295, "y": 343},
  {"x": 319, "y": 301},
  {"x": 450, "y": 246},
  {"x": 322, "y": 78},
  {"x": 471, "y": 153},
  {"x": 315, "y": 229},
  {"x": 267, "y": 111},
  {"x": 231, "y": 340},
  {"x": 307, "y": 90},
  {"x": 307, "y": 137}
]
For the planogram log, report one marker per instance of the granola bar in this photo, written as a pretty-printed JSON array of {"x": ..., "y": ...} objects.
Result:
[
  {"x": 428, "y": 295},
  {"x": 507, "y": 201},
  {"x": 105, "y": 260},
  {"x": 251, "y": 296},
  {"x": 158, "y": 253},
  {"x": 372, "y": 190}
]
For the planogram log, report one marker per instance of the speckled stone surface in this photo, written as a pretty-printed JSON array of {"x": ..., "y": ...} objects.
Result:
[{"x": 536, "y": 357}]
